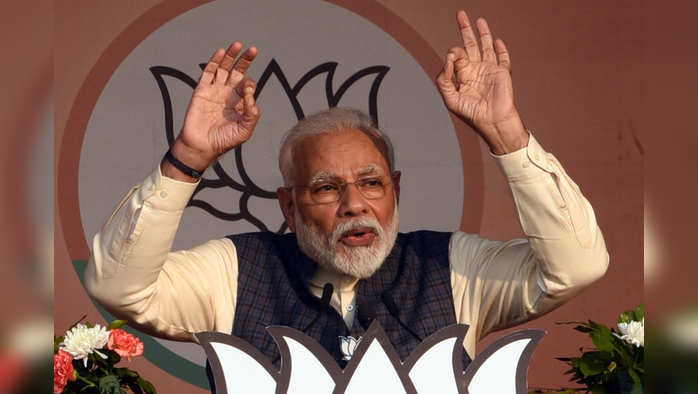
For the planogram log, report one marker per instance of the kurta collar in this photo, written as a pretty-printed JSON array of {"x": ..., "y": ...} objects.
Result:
[{"x": 340, "y": 282}]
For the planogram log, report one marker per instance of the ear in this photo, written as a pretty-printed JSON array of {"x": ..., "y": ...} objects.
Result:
[
  {"x": 287, "y": 208},
  {"x": 396, "y": 184}
]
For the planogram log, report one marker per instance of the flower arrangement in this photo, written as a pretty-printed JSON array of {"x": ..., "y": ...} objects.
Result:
[
  {"x": 84, "y": 360},
  {"x": 617, "y": 364}
]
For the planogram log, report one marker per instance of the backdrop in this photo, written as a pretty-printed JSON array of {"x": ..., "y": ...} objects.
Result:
[{"x": 126, "y": 72}]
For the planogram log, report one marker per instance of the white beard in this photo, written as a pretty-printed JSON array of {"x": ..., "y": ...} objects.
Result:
[{"x": 356, "y": 261}]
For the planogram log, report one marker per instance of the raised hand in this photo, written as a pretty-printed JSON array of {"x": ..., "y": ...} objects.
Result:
[
  {"x": 476, "y": 85},
  {"x": 222, "y": 112}
]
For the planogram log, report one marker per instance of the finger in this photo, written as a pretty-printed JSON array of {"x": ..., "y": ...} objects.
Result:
[
  {"x": 444, "y": 80},
  {"x": 458, "y": 53},
  {"x": 460, "y": 59},
  {"x": 483, "y": 29},
  {"x": 502, "y": 54},
  {"x": 251, "y": 112},
  {"x": 223, "y": 70},
  {"x": 210, "y": 69},
  {"x": 241, "y": 66},
  {"x": 231, "y": 55},
  {"x": 468, "y": 35},
  {"x": 243, "y": 87},
  {"x": 221, "y": 75}
]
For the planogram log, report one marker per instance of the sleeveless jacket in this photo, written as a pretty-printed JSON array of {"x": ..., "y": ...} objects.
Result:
[{"x": 273, "y": 290}]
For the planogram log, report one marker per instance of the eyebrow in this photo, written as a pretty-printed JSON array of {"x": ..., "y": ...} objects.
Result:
[
  {"x": 325, "y": 176},
  {"x": 369, "y": 169}
]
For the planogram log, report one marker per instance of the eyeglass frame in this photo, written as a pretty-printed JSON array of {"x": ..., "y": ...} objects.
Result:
[{"x": 343, "y": 187}]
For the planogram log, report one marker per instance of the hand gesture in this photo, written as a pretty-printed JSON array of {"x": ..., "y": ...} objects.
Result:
[
  {"x": 476, "y": 86},
  {"x": 222, "y": 113}
]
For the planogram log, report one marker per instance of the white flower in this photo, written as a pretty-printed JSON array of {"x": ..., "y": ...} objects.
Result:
[
  {"x": 348, "y": 345},
  {"x": 81, "y": 340},
  {"x": 633, "y": 332}
]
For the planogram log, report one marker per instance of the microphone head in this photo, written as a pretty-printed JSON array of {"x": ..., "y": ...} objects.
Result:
[{"x": 367, "y": 313}]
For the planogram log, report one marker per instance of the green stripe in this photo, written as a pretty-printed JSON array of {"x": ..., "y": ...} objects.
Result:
[{"x": 156, "y": 353}]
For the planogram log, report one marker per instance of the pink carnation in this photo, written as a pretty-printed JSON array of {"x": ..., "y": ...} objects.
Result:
[
  {"x": 124, "y": 344},
  {"x": 63, "y": 370}
]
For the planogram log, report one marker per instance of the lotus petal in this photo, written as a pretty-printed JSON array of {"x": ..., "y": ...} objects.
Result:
[
  {"x": 502, "y": 367},
  {"x": 308, "y": 375},
  {"x": 236, "y": 365},
  {"x": 247, "y": 372},
  {"x": 375, "y": 373},
  {"x": 433, "y": 371}
]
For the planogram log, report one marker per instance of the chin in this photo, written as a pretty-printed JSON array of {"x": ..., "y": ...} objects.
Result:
[
  {"x": 360, "y": 261},
  {"x": 355, "y": 261}
]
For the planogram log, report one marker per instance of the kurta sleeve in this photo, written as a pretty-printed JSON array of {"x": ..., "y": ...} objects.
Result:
[
  {"x": 135, "y": 276},
  {"x": 500, "y": 284}
]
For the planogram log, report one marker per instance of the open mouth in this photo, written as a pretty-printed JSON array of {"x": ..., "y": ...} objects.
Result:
[{"x": 361, "y": 236}]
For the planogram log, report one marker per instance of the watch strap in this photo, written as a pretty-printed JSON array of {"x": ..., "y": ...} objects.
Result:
[{"x": 181, "y": 166}]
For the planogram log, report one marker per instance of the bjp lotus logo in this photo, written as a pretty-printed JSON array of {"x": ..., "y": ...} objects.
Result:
[
  {"x": 435, "y": 366},
  {"x": 246, "y": 186}
]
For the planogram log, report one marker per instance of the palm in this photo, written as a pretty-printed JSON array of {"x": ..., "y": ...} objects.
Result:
[
  {"x": 222, "y": 113},
  {"x": 476, "y": 85},
  {"x": 215, "y": 113},
  {"x": 483, "y": 95}
]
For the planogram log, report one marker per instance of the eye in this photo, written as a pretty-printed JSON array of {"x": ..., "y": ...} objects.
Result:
[
  {"x": 370, "y": 182},
  {"x": 324, "y": 188}
]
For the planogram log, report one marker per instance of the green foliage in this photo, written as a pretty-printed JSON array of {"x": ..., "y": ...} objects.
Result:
[
  {"x": 601, "y": 336},
  {"x": 57, "y": 343},
  {"x": 636, "y": 315},
  {"x": 614, "y": 366},
  {"x": 116, "y": 324},
  {"x": 110, "y": 385},
  {"x": 147, "y": 387}
]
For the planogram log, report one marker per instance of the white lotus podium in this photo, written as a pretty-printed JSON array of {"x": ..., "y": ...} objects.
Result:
[{"x": 435, "y": 366}]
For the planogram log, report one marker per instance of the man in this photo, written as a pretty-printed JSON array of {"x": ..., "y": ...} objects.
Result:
[{"x": 340, "y": 200}]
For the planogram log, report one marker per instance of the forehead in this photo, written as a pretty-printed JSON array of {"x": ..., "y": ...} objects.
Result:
[{"x": 344, "y": 154}]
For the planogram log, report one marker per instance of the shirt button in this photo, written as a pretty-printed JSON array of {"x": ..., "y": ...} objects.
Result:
[
  {"x": 350, "y": 307},
  {"x": 163, "y": 194},
  {"x": 526, "y": 164}
]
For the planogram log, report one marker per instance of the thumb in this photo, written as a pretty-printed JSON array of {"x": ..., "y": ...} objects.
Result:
[{"x": 444, "y": 80}]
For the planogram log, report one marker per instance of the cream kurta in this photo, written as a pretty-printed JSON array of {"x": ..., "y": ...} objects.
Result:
[{"x": 135, "y": 276}]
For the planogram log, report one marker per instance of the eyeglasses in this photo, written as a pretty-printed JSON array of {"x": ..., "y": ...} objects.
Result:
[{"x": 325, "y": 192}]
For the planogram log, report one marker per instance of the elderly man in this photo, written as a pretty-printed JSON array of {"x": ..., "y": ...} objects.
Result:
[{"x": 344, "y": 263}]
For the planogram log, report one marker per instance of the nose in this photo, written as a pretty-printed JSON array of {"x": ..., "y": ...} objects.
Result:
[{"x": 352, "y": 203}]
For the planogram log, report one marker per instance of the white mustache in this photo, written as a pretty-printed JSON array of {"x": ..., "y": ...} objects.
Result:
[{"x": 354, "y": 224}]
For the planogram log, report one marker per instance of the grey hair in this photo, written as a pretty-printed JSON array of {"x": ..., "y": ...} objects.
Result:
[{"x": 333, "y": 120}]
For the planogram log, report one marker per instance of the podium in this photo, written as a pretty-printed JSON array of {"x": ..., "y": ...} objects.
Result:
[{"x": 435, "y": 366}]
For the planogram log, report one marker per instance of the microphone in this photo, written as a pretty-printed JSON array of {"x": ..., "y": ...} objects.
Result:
[
  {"x": 324, "y": 304},
  {"x": 394, "y": 311},
  {"x": 367, "y": 313},
  {"x": 326, "y": 294}
]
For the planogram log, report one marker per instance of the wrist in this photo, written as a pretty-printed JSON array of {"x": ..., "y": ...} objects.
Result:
[
  {"x": 184, "y": 160},
  {"x": 507, "y": 136},
  {"x": 194, "y": 158},
  {"x": 170, "y": 171}
]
